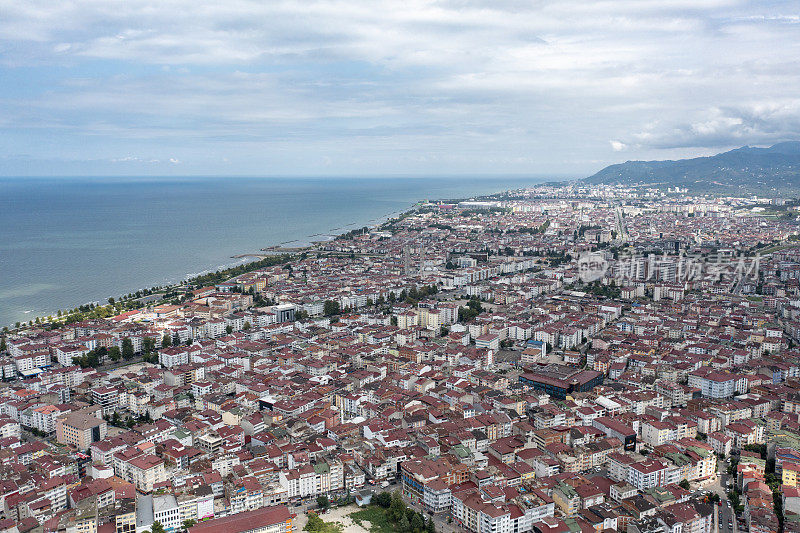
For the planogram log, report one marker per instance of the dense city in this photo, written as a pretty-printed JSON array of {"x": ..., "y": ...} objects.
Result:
[{"x": 550, "y": 360}]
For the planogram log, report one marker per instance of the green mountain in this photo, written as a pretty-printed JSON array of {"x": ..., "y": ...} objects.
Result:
[{"x": 746, "y": 169}]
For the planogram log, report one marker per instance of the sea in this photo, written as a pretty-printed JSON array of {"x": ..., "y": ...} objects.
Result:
[{"x": 69, "y": 241}]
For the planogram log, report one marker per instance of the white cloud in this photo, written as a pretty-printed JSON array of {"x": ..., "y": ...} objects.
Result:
[
  {"x": 752, "y": 123},
  {"x": 618, "y": 146},
  {"x": 535, "y": 85}
]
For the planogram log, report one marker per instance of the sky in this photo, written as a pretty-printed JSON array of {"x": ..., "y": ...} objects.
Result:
[{"x": 352, "y": 88}]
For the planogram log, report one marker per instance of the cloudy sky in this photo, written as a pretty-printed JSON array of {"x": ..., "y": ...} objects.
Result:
[{"x": 409, "y": 87}]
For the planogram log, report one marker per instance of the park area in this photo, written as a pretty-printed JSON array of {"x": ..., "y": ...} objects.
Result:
[{"x": 388, "y": 514}]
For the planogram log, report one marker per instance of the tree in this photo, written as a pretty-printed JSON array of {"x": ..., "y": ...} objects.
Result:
[
  {"x": 417, "y": 523},
  {"x": 404, "y": 525},
  {"x": 760, "y": 449},
  {"x": 148, "y": 345},
  {"x": 397, "y": 509},
  {"x": 157, "y": 528},
  {"x": 114, "y": 353},
  {"x": 246, "y": 326},
  {"x": 188, "y": 523},
  {"x": 684, "y": 484},
  {"x": 323, "y": 501},
  {"x": 430, "y": 527},
  {"x": 314, "y": 523},
  {"x": 3, "y": 346},
  {"x": 331, "y": 308},
  {"x": 166, "y": 341},
  {"x": 383, "y": 499},
  {"x": 127, "y": 350},
  {"x": 228, "y": 329},
  {"x": 111, "y": 301}
]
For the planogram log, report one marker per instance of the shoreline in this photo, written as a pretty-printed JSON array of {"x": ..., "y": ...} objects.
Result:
[
  {"x": 243, "y": 259},
  {"x": 240, "y": 259}
]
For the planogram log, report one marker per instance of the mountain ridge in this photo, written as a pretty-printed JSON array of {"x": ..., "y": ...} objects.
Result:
[{"x": 743, "y": 169}]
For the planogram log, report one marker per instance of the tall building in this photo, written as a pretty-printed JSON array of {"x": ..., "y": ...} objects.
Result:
[{"x": 80, "y": 429}]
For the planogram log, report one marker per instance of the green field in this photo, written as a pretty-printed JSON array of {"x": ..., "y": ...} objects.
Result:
[
  {"x": 317, "y": 525},
  {"x": 376, "y": 516}
]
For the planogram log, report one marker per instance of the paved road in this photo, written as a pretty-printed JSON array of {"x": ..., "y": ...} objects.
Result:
[
  {"x": 725, "y": 515},
  {"x": 727, "y": 518},
  {"x": 622, "y": 231}
]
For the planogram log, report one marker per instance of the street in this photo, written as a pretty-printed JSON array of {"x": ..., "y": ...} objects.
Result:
[{"x": 726, "y": 519}]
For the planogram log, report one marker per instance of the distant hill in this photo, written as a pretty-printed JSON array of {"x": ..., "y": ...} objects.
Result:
[{"x": 745, "y": 169}]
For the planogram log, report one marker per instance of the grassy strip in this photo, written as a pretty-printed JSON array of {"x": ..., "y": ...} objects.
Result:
[{"x": 376, "y": 516}]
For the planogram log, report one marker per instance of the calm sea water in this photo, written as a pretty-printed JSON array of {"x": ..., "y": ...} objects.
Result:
[{"x": 68, "y": 241}]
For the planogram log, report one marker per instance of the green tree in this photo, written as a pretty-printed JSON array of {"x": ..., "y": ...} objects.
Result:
[
  {"x": 166, "y": 341},
  {"x": 157, "y": 528},
  {"x": 430, "y": 527},
  {"x": 127, "y": 349},
  {"x": 404, "y": 525},
  {"x": 417, "y": 523},
  {"x": 3, "y": 346},
  {"x": 228, "y": 329},
  {"x": 188, "y": 523},
  {"x": 413, "y": 294},
  {"x": 383, "y": 499},
  {"x": 323, "y": 501},
  {"x": 314, "y": 523},
  {"x": 148, "y": 345},
  {"x": 760, "y": 449},
  {"x": 331, "y": 308},
  {"x": 246, "y": 326},
  {"x": 684, "y": 484},
  {"x": 397, "y": 509},
  {"x": 114, "y": 353}
]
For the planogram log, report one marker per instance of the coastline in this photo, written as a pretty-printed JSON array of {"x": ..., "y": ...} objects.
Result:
[
  {"x": 150, "y": 225},
  {"x": 245, "y": 259}
]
